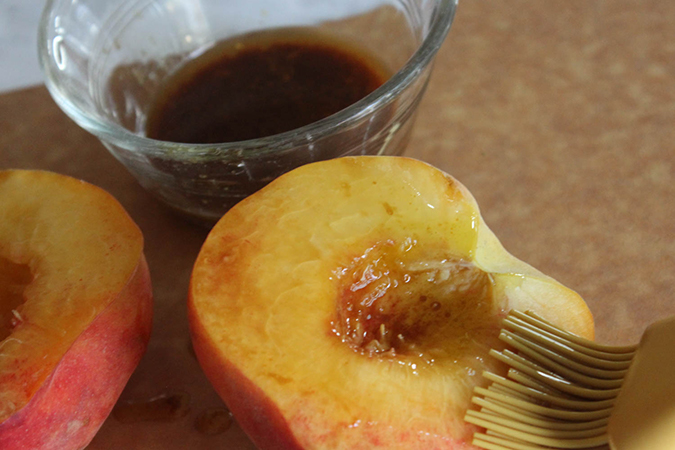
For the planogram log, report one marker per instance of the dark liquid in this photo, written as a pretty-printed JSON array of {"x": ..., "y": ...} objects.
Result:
[
  {"x": 214, "y": 421},
  {"x": 166, "y": 407},
  {"x": 261, "y": 84}
]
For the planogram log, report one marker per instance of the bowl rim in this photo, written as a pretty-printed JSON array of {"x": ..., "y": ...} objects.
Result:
[{"x": 115, "y": 134}]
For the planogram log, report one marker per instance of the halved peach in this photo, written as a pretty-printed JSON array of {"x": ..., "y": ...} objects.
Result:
[
  {"x": 75, "y": 308},
  {"x": 351, "y": 304}
]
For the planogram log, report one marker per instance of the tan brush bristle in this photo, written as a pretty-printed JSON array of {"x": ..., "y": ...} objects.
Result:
[
  {"x": 565, "y": 392},
  {"x": 559, "y": 393}
]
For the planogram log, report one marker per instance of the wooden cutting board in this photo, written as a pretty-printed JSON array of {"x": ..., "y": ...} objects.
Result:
[{"x": 558, "y": 116}]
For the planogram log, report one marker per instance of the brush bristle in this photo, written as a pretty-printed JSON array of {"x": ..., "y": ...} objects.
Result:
[{"x": 559, "y": 391}]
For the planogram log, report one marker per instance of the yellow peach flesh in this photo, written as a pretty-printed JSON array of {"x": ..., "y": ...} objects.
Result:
[
  {"x": 13, "y": 280},
  {"x": 284, "y": 285},
  {"x": 70, "y": 249}
]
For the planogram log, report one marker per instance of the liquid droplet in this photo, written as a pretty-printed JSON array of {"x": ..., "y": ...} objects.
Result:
[
  {"x": 165, "y": 407},
  {"x": 214, "y": 421}
]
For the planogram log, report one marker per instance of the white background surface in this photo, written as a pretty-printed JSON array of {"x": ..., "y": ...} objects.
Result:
[{"x": 18, "y": 43}]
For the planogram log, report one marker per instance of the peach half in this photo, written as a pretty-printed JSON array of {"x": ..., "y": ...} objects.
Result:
[
  {"x": 351, "y": 303},
  {"x": 75, "y": 308}
]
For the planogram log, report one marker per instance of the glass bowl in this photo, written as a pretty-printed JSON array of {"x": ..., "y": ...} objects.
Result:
[{"x": 105, "y": 60}]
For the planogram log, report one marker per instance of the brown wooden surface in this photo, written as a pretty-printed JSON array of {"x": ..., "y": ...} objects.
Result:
[{"x": 559, "y": 116}]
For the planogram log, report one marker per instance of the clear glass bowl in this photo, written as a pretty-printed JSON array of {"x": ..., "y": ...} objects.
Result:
[{"x": 87, "y": 46}]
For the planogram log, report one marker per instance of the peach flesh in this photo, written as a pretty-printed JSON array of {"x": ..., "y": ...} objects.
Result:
[
  {"x": 283, "y": 288},
  {"x": 77, "y": 397},
  {"x": 75, "y": 308},
  {"x": 397, "y": 301},
  {"x": 13, "y": 280}
]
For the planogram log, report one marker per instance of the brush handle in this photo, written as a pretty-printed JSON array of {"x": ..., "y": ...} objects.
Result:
[{"x": 644, "y": 413}]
